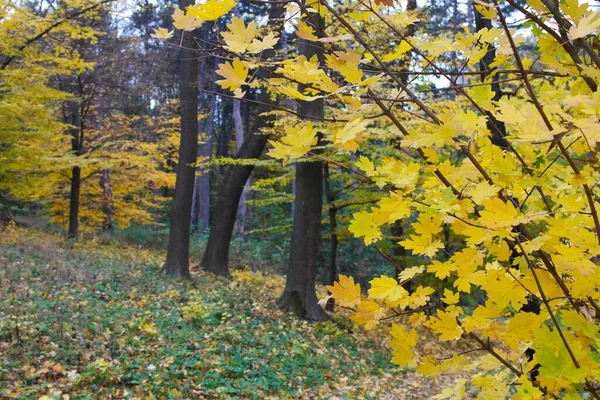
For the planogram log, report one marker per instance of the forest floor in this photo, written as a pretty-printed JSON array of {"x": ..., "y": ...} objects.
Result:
[{"x": 96, "y": 320}]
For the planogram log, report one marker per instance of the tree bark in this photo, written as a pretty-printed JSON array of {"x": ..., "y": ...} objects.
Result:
[
  {"x": 196, "y": 196},
  {"x": 299, "y": 294},
  {"x": 73, "y": 232},
  {"x": 177, "y": 262},
  {"x": 333, "y": 238},
  {"x": 239, "y": 136},
  {"x": 76, "y": 143},
  {"x": 216, "y": 254},
  {"x": 108, "y": 206}
]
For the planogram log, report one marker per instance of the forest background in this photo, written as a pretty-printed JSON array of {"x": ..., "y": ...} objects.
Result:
[{"x": 451, "y": 169}]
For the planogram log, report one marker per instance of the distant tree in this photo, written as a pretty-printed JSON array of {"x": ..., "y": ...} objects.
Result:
[
  {"x": 177, "y": 262},
  {"x": 299, "y": 293}
]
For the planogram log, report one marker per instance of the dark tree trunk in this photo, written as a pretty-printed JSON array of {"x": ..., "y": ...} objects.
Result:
[
  {"x": 216, "y": 254},
  {"x": 177, "y": 262},
  {"x": 108, "y": 206},
  {"x": 498, "y": 138},
  {"x": 76, "y": 145},
  {"x": 73, "y": 232},
  {"x": 239, "y": 135},
  {"x": 496, "y": 127},
  {"x": 196, "y": 196},
  {"x": 299, "y": 294},
  {"x": 333, "y": 238},
  {"x": 203, "y": 179}
]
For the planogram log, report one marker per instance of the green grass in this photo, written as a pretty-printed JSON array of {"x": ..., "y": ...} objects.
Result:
[{"x": 96, "y": 320}]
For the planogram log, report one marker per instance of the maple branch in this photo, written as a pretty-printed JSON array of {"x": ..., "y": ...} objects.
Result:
[
  {"x": 564, "y": 26},
  {"x": 538, "y": 106},
  {"x": 287, "y": 110},
  {"x": 489, "y": 349},
  {"x": 566, "y": 44},
  {"x": 460, "y": 90},
  {"x": 532, "y": 267}
]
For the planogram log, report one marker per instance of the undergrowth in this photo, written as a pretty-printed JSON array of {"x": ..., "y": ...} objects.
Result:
[{"x": 97, "y": 320}]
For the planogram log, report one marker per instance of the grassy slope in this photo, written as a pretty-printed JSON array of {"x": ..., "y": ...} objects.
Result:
[{"x": 97, "y": 321}]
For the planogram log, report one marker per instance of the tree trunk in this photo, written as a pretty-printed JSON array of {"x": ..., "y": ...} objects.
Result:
[
  {"x": 108, "y": 206},
  {"x": 216, "y": 254},
  {"x": 239, "y": 136},
  {"x": 299, "y": 294},
  {"x": 206, "y": 150},
  {"x": 195, "y": 214},
  {"x": 73, "y": 232},
  {"x": 76, "y": 143},
  {"x": 177, "y": 262},
  {"x": 333, "y": 238}
]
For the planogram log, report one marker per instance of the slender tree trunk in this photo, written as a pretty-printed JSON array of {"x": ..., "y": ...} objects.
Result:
[
  {"x": 333, "y": 238},
  {"x": 239, "y": 135},
  {"x": 216, "y": 254},
  {"x": 195, "y": 215},
  {"x": 299, "y": 294},
  {"x": 177, "y": 262},
  {"x": 206, "y": 150},
  {"x": 108, "y": 206},
  {"x": 73, "y": 232},
  {"x": 74, "y": 197},
  {"x": 498, "y": 138}
]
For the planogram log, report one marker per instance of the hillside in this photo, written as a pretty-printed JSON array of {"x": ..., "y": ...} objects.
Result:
[{"x": 96, "y": 320}]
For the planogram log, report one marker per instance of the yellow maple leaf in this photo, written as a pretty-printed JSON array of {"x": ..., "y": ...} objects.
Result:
[
  {"x": 587, "y": 25},
  {"x": 235, "y": 75},
  {"x": 345, "y": 292},
  {"x": 420, "y": 296},
  {"x": 409, "y": 273},
  {"x": 267, "y": 42},
  {"x": 483, "y": 191},
  {"x": 386, "y": 288},
  {"x": 306, "y": 32},
  {"x": 451, "y": 297},
  {"x": 441, "y": 269},
  {"x": 348, "y": 137},
  {"x": 211, "y": 10},
  {"x": 498, "y": 214},
  {"x": 290, "y": 91},
  {"x": 402, "y": 343},
  {"x": 366, "y": 165},
  {"x": 346, "y": 63},
  {"x": 368, "y": 313},
  {"x": 402, "y": 49},
  {"x": 365, "y": 224},
  {"x": 445, "y": 325},
  {"x": 184, "y": 21},
  {"x": 423, "y": 245},
  {"x": 162, "y": 34},
  {"x": 468, "y": 275},
  {"x": 239, "y": 36},
  {"x": 298, "y": 141},
  {"x": 481, "y": 318}
]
